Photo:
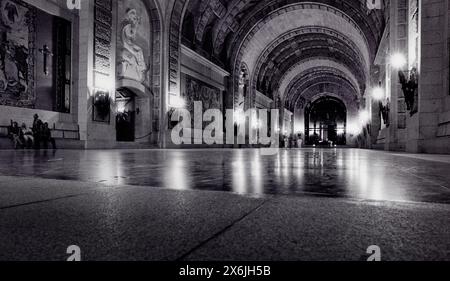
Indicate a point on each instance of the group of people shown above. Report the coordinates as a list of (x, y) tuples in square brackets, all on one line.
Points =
[(292, 141), (37, 137)]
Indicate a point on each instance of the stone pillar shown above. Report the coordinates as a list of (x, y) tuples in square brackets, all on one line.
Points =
[(375, 105), (434, 96), (85, 65), (396, 135), (171, 50), (101, 133)]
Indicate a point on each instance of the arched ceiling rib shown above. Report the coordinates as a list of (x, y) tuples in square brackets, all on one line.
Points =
[(330, 88), (273, 38), (294, 73), (351, 107), (229, 21), (313, 75), (320, 77), (311, 42), (279, 24)]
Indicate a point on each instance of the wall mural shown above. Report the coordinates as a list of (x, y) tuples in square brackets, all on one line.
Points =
[(17, 31), (133, 41), (195, 90)]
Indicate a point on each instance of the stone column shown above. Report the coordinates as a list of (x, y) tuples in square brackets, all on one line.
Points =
[(102, 133), (85, 63), (396, 135), (433, 92)]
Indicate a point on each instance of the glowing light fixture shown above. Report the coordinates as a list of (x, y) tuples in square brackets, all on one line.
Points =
[(364, 117), (353, 129), (239, 117), (398, 61), (177, 102), (104, 83), (120, 108), (378, 93)]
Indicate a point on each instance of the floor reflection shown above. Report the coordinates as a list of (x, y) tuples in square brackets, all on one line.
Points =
[(351, 173)]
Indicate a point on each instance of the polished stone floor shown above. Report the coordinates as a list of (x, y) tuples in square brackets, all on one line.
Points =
[(308, 204), (349, 173)]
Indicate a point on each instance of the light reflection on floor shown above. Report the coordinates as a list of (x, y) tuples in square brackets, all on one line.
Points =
[(351, 173)]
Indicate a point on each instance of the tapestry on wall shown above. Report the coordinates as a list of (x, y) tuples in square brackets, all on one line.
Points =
[(17, 34), (196, 90), (133, 56)]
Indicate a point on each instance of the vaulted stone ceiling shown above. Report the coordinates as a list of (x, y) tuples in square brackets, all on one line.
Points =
[(312, 42), (273, 37)]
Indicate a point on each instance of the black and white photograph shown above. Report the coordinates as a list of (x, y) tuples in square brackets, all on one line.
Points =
[(224, 139)]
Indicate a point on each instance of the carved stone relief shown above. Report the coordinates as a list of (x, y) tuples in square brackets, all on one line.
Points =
[(133, 41)]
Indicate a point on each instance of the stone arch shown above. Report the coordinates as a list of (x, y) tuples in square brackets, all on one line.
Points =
[(311, 76), (252, 46), (294, 41), (175, 25), (293, 73), (322, 89), (326, 122), (311, 94), (138, 88), (370, 24), (327, 87)]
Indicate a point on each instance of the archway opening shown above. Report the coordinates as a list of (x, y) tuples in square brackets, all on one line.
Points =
[(126, 115), (326, 122)]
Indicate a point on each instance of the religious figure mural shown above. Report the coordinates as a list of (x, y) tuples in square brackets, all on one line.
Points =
[(16, 54), (133, 41), (194, 90)]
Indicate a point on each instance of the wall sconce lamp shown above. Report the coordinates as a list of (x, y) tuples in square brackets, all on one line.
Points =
[(378, 93), (364, 117), (177, 102), (408, 79), (398, 61)]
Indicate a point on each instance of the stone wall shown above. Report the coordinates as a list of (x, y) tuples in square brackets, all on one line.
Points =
[(434, 103), (55, 8), (200, 80)]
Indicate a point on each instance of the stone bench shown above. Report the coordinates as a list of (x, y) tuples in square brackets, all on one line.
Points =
[(61, 132), (4, 131), (65, 131)]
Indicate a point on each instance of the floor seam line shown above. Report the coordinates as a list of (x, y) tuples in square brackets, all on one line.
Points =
[(222, 231), (43, 201), (425, 179)]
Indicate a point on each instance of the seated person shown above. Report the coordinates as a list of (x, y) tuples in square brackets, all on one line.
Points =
[(37, 127), (16, 135), (27, 134), (46, 137)]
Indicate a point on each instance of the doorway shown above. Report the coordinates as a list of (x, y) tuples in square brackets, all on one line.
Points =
[(126, 115), (326, 122)]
